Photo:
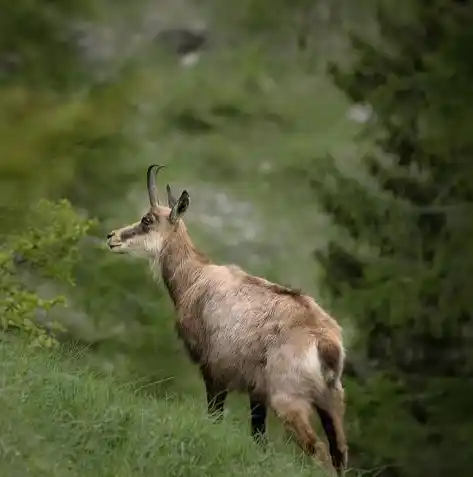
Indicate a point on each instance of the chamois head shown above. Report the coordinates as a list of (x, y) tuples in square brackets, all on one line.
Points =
[(147, 236)]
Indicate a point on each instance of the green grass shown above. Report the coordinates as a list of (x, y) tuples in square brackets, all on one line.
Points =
[(58, 418)]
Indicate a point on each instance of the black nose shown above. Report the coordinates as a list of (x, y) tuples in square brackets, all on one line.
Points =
[(110, 235)]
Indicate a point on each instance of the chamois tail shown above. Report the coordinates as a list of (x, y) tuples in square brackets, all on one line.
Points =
[(331, 360)]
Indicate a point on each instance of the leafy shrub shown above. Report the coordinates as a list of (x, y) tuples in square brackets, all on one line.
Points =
[(44, 247)]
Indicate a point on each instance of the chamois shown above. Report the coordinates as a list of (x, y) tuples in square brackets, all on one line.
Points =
[(246, 333)]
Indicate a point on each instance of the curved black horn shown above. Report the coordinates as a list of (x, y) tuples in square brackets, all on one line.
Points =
[(151, 184)]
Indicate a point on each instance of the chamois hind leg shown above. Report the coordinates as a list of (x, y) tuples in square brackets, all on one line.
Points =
[(258, 419), (331, 413), (296, 412), (216, 395)]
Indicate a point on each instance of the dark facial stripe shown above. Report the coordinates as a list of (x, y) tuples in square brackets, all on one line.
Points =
[(131, 232)]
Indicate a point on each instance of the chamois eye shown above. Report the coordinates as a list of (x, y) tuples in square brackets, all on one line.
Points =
[(147, 220)]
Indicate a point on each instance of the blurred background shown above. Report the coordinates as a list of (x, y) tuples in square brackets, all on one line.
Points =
[(326, 144)]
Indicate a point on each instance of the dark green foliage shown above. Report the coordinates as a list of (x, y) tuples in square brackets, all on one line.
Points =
[(37, 44), (404, 271)]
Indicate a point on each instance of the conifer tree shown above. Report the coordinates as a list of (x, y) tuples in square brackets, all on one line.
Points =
[(402, 264)]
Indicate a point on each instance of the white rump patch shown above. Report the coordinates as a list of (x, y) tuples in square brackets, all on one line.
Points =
[(312, 363), (312, 359)]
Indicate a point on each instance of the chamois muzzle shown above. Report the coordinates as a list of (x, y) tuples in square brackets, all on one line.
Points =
[(153, 170), (113, 240)]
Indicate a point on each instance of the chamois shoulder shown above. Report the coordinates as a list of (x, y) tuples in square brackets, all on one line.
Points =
[(261, 284), (275, 288)]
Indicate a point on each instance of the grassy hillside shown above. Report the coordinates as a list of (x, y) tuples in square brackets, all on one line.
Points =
[(59, 418)]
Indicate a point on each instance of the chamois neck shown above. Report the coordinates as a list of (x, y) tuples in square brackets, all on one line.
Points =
[(181, 263)]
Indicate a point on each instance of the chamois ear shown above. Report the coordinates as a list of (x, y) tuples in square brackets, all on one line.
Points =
[(171, 199), (180, 207)]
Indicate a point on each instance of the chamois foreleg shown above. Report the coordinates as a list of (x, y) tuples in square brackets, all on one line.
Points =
[(216, 395), (258, 419)]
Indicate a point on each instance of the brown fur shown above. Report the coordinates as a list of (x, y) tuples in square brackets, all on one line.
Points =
[(251, 335)]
